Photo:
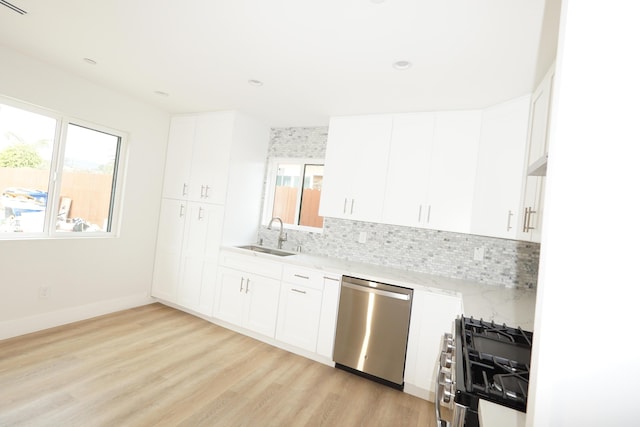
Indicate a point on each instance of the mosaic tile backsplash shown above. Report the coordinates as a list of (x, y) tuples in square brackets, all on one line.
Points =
[(506, 262)]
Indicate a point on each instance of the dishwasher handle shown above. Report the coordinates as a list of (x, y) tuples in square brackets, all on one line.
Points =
[(390, 294)]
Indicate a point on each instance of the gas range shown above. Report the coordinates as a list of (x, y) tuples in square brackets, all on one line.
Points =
[(485, 361)]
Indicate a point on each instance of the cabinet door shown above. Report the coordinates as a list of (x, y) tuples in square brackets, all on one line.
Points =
[(328, 316), (540, 111), (431, 316), (530, 221), (210, 158), (261, 305), (498, 186), (356, 167), (166, 274), (230, 292), (178, 163), (199, 256), (299, 316), (408, 172), (453, 170)]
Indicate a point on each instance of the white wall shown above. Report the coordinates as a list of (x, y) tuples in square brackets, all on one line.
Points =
[(87, 276), (585, 364)]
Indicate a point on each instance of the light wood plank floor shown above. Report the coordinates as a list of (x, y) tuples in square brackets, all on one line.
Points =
[(156, 366)]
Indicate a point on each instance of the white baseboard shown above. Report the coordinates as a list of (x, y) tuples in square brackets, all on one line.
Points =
[(25, 325), (419, 392)]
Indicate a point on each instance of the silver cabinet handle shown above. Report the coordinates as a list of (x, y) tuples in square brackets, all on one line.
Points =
[(200, 217), (429, 214), (184, 189), (344, 208), (331, 278), (298, 291), (529, 227), (527, 220), (246, 288), (509, 215), (241, 283), (181, 210), (352, 201), (202, 191), (301, 276), (420, 213), (206, 191)]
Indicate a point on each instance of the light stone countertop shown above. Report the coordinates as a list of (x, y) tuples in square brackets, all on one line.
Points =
[(512, 306)]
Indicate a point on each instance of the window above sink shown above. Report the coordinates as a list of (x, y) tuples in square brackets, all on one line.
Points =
[(293, 193)]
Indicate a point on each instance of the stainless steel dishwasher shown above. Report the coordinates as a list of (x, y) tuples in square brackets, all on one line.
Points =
[(372, 330)]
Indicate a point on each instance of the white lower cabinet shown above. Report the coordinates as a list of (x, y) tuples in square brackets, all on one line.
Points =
[(308, 309), (432, 315), (247, 298), (187, 251), (328, 315), (300, 306)]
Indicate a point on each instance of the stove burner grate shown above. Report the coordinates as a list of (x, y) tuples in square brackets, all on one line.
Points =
[(496, 362)]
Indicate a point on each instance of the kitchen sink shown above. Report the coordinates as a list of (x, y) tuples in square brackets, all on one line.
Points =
[(264, 250)]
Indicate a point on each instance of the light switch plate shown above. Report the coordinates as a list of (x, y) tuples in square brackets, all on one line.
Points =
[(363, 237), (478, 254)]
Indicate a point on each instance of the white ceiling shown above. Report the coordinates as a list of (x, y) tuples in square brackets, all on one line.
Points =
[(317, 58)]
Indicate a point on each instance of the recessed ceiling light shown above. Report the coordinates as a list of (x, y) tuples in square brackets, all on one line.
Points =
[(402, 65), (89, 61), (256, 83), (161, 93)]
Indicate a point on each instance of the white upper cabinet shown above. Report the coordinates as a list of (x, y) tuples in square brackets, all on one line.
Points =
[(355, 167), (431, 172), (458, 171), (453, 170), (498, 184), (530, 219), (405, 200), (179, 153), (198, 157), (210, 158), (405, 169)]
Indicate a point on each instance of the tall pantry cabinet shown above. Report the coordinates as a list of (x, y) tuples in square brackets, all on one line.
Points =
[(211, 197)]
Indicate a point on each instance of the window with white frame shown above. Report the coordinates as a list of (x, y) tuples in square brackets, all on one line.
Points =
[(58, 176), (293, 193)]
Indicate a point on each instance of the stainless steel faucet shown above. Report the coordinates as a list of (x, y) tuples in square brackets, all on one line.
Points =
[(282, 237)]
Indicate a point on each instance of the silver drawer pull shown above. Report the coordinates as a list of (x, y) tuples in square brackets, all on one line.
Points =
[(331, 278), (301, 276), (298, 291)]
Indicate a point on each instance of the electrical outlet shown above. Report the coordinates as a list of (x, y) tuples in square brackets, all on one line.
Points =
[(363, 237), (44, 292), (478, 254)]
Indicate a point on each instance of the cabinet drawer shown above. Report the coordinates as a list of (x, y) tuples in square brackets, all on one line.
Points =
[(303, 276), (251, 264)]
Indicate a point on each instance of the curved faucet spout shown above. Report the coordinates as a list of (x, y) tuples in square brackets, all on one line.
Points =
[(282, 237)]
